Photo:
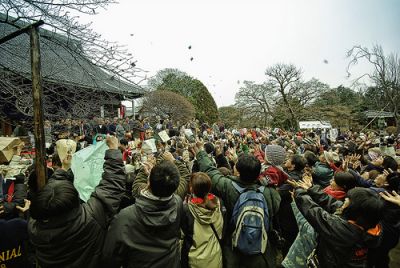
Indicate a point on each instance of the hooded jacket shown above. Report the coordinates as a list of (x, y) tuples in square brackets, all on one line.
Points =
[(201, 247), (76, 238), (340, 242), (306, 239), (222, 187), (145, 234), (322, 174), (272, 175)]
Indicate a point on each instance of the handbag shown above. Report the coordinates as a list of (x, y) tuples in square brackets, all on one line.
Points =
[(216, 234)]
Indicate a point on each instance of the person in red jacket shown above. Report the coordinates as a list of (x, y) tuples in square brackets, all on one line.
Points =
[(272, 173)]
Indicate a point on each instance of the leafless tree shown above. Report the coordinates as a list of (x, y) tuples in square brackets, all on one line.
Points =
[(62, 17), (385, 75), (256, 100), (165, 103), (308, 91), (285, 79)]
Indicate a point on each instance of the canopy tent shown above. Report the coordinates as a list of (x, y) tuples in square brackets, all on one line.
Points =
[(314, 124)]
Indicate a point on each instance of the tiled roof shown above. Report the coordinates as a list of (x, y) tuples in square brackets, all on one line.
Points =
[(62, 62)]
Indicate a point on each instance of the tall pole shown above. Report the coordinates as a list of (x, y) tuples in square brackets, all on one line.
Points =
[(37, 93), (133, 109)]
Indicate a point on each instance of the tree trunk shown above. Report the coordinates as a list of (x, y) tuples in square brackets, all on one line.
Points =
[(293, 119)]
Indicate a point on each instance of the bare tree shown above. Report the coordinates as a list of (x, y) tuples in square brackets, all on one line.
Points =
[(385, 76), (165, 103), (285, 79), (308, 91), (256, 100), (79, 38)]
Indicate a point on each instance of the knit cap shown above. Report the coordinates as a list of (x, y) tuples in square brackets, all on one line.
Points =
[(308, 141), (275, 155)]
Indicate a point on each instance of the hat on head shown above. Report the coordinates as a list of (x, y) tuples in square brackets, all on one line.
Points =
[(275, 155), (331, 157), (308, 141)]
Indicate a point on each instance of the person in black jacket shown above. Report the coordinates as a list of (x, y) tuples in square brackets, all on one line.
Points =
[(12, 194), (344, 239), (294, 167), (67, 233), (13, 240), (100, 128), (379, 257), (146, 234)]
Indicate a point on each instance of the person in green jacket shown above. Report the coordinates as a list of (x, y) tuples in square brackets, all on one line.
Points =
[(322, 173), (141, 180), (202, 225), (248, 169)]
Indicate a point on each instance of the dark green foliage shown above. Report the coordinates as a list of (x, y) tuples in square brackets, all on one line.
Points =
[(193, 90)]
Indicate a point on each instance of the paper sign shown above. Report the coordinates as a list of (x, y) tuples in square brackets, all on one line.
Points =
[(87, 166), (64, 147), (164, 136), (188, 133), (333, 134), (150, 145), (7, 146)]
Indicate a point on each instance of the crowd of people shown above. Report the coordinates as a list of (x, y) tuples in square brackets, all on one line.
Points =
[(207, 196)]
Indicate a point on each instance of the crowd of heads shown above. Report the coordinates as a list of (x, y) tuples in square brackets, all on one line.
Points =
[(351, 167)]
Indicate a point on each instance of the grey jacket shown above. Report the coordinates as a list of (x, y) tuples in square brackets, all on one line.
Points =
[(145, 234)]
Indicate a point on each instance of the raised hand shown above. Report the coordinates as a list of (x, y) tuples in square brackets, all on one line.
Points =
[(218, 149), (393, 198), (356, 164), (345, 164), (199, 146), (112, 142), (67, 161), (306, 182), (26, 207), (148, 165), (168, 156), (232, 155), (293, 183)]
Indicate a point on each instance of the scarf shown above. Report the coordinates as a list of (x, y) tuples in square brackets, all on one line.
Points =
[(337, 194), (199, 200)]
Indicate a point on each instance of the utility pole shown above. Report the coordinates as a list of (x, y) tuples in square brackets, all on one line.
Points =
[(37, 94), (133, 109)]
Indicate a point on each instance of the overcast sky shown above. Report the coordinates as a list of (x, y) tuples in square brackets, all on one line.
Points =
[(236, 40)]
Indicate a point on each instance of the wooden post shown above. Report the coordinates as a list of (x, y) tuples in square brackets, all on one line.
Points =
[(37, 93), (133, 109)]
